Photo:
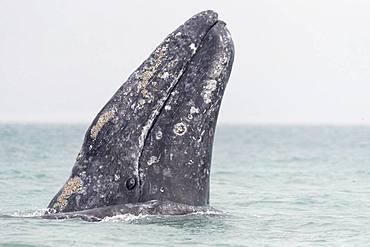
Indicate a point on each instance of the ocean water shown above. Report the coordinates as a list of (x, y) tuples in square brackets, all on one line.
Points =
[(276, 186)]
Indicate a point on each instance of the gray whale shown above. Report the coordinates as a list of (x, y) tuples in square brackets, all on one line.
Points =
[(149, 149)]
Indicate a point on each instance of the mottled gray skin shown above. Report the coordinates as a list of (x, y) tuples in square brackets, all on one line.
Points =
[(153, 139), (187, 124)]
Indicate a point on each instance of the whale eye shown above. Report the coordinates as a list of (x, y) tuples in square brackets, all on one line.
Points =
[(130, 183)]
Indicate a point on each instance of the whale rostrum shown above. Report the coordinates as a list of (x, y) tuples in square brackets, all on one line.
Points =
[(151, 144)]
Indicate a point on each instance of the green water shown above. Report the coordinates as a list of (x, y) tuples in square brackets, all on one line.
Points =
[(277, 186)]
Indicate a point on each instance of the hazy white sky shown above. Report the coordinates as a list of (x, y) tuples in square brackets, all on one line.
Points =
[(296, 61)]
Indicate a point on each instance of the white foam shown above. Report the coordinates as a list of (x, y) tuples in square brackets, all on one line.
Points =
[(125, 218), (29, 213)]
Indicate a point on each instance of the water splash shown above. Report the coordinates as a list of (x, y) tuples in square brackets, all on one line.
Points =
[(146, 218)]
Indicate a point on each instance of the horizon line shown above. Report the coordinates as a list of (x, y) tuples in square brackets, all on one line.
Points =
[(221, 123)]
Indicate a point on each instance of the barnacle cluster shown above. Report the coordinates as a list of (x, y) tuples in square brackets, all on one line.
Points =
[(103, 119), (73, 185)]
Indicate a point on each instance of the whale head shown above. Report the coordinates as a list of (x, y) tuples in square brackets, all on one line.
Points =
[(153, 139)]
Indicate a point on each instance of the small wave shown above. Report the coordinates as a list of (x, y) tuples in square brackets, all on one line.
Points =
[(131, 218), (209, 212), (31, 213)]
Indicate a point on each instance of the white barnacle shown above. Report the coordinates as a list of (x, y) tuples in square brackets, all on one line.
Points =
[(193, 47), (158, 135), (217, 70), (218, 65), (136, 75), (80, 155), (193, 110), (167, 107), (172, 63), (147, 95), (116, 177), (141, 174), (165, 75), (179, 129), (103, 119), (141, 103), (201, 136), (220, 37), (152, 160), (210, 86), (174, 92)]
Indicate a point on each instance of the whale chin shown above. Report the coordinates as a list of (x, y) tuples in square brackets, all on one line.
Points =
[(151, 144)]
